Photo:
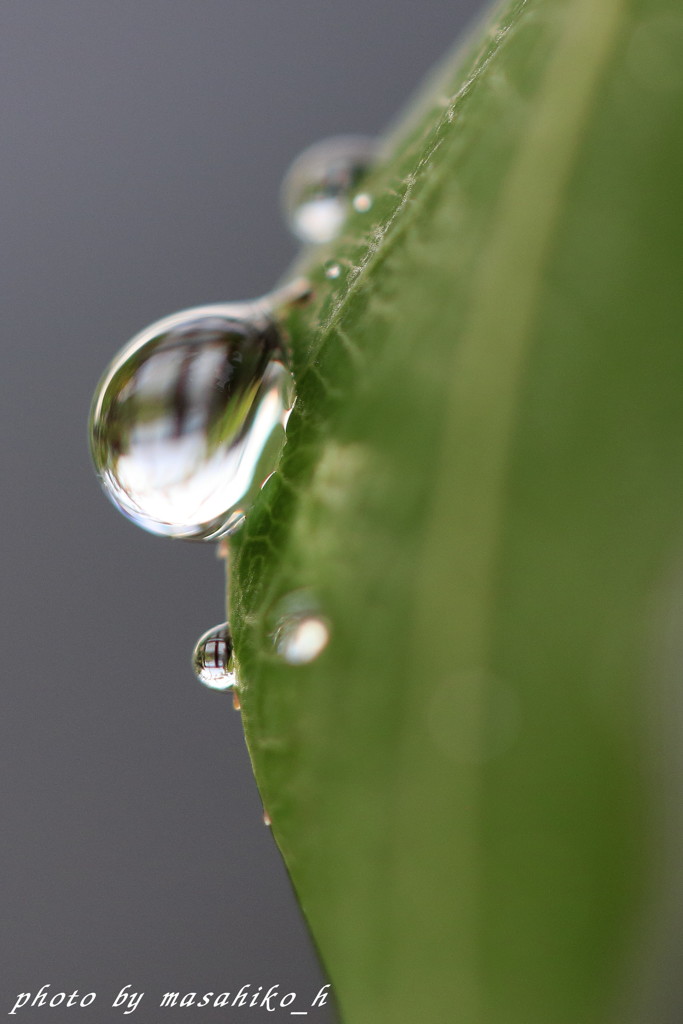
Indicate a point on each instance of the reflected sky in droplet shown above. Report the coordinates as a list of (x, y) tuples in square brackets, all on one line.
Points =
[(299, 633), (317, 190), (212, 659), (362, 202), (319, 220), (189, 419)]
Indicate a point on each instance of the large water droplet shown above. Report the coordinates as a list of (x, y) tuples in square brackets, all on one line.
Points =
[(300, 633), (188, 419), (212, 659), (317, 189)]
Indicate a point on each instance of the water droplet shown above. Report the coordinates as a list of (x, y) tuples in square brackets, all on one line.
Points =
[(318, 185), (301, 639), (188, 419), (236, 700), (300, 632), (266, 819), (362, 202), (212, 659), (333, 271)]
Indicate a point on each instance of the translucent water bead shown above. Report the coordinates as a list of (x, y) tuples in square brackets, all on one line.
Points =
[(301, 638), (317, 190), (187, 422), (212, 659), (299, 631)]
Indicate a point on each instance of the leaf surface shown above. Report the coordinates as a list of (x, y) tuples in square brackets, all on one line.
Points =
[(481, 493)]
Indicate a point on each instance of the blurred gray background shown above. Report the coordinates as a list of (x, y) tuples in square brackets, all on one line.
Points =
[(143, 143)]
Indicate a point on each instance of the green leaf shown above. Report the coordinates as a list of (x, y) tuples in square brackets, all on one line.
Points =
[(483, 488)]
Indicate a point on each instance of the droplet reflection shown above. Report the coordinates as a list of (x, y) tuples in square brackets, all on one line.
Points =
[(362, 202), (188, 419), (212, 659), (317, 188), (300, 632)]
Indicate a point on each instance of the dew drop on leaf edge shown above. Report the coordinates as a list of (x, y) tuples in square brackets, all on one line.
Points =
[(212, 659), (188, 420), (318, 188)]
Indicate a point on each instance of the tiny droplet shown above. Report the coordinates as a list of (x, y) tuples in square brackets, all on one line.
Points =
[(188, 420), (362, 202), (332, 271), (318, 186), (266, 818), (212, 659), (300, 633), (236, 700)]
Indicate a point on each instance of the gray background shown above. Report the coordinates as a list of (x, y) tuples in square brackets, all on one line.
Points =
[(142, 146)]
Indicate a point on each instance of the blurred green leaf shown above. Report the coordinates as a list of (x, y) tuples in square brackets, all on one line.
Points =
[(472, 785)]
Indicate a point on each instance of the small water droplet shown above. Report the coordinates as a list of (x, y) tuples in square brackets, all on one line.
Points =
[(333, 271), (188, 420), (362, 202), (212, 659), (266, 818), (302, 638), (236, 700), (300, 632), (318, 185)]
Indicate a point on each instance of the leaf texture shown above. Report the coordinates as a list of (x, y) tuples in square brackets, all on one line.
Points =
[(482, 487)]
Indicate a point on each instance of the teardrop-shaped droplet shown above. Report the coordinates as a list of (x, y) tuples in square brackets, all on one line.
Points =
[(188, 419), (317, 189), (212, 659), (300, 632)]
